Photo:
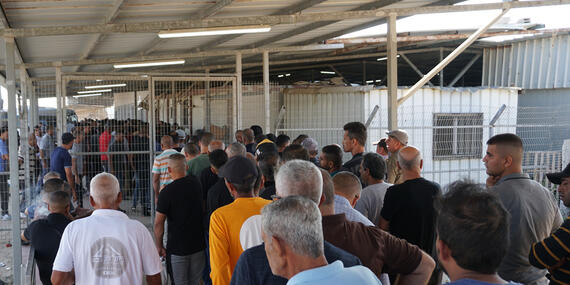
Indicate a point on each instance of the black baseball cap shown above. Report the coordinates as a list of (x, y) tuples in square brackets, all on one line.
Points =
[(67, 138), (557, 177), (239, 170)]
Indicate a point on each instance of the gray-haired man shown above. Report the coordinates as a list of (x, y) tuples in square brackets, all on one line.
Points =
[(293, 236)]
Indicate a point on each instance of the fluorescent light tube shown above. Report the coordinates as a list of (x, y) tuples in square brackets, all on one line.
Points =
[(385, 58), (328, 72), (214, 31), (151, 63), (94, 91), (87, 95), (106, 86), (369, 81), (280, 75)]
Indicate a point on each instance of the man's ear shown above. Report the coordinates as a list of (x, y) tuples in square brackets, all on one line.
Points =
[(421, 164), (322, 200), (279, 247), (508, 161), (91, 201), (231, 188), (444, 253)]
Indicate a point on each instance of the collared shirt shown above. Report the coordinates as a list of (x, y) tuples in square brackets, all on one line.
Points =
[(394, 175), (160, 166), (59, 161), (371, 201), (3, 151), (534, 216), (45, 236), (548, 253), (335, 273), (253, 267), (342, 206), (377, 249), (225, 226), (107, 248)]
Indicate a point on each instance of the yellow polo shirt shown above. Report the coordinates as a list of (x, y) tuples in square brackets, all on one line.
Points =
[(225, 226)]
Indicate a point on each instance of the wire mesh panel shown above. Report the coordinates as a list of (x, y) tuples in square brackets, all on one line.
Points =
[(254, 104), (190, 104), (109, 118)]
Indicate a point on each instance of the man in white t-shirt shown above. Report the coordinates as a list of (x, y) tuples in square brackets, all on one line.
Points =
[(107, 247), (372, 174)]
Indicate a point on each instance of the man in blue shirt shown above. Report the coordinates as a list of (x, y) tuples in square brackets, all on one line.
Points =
[(473, 234), (60, 161), (293, 236), (4, 189)]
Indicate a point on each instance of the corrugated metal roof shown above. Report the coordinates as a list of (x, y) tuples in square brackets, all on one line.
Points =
[(51, 13)]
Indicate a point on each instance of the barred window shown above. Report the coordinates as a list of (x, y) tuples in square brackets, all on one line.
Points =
[(457, 135)]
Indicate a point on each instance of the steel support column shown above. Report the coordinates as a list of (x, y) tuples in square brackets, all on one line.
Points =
[(239, 92), (266, 94), (10, 57), (58, 113), (392, 73), (25, 132)]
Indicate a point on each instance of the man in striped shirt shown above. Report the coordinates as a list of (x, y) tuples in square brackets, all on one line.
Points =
[(553, 253), (160, 175)]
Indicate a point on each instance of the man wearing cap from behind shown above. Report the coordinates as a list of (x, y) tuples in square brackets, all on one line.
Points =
[(60, 161), (240, 175), (552, 252), (397, 139)]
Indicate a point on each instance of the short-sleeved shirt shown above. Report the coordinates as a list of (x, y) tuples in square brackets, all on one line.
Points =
[(75, 153), (47, 144), (253, 267), (548, 253), (45, 235), (371, 201), (335, 273), (225, 227), (3, 151), (107, 248), (409, 209), (181, 202), (59, 161), (378, 250), (119, 160), (104, 141), (353, 165), (160, 166), (197, 164), (534, 216), (342, 206)]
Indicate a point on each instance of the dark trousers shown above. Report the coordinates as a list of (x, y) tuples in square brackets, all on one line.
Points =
[(4, 193)]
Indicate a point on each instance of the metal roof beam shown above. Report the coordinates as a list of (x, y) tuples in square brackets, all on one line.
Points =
[(293, 9), (148, 27), (314, 26), (95, 40), (6, 25)]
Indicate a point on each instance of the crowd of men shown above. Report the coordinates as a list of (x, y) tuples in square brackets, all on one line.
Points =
[(266, 209)]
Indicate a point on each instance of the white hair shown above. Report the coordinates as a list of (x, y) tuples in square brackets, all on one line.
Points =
[(104, 188), (51, 175), (297, 221), (235, 149), (299, 177)]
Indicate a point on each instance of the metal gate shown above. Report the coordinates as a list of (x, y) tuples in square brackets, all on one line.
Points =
[(118, 121)]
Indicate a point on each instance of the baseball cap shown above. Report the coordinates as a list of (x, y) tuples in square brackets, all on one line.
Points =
[(400, 135), (67, 138), (556, 177), (239, 170), (310, 144), (181, 134), (265, 146)]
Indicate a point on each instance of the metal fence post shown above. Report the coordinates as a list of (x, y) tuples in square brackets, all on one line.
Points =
[(25, 129), (13, 158), (495, 119)]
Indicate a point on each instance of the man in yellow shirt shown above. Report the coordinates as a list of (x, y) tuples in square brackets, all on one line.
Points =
[(240, 175)]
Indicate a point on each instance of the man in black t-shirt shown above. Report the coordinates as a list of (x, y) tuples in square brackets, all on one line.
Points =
[(408, 210), (180, 202), (353, 141), (45, 234)]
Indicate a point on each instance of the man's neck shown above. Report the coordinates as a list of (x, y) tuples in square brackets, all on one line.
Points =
[(372, 181), (327, 210), (304, 263), (410, 174), (245, 195), (514, 170), (176, 176), (356, 150), (333, 170)]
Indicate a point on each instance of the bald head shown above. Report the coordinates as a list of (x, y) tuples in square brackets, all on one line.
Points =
[(347, 185), (215, 145), (299, 177), (177, 164), (410, 158), (104, 189)]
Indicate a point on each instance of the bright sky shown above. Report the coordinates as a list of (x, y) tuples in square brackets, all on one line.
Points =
[(553, 17)]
